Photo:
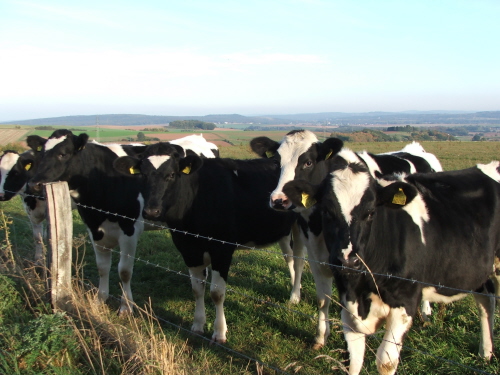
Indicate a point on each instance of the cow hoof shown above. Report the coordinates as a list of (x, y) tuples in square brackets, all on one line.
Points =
[(217, 341), (317, 346), (294, 300)]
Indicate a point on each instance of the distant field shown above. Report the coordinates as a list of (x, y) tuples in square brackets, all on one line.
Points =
[(453, 155), (11, 135)]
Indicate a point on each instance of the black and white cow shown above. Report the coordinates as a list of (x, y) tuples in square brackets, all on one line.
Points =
[(198, 145), (15, 171), (439, 229), (222, 199), (109, 202), (303, 157)]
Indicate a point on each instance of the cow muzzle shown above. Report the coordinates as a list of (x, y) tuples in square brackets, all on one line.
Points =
[(151, 212), (350, 266), (35, 186), (280, 202)]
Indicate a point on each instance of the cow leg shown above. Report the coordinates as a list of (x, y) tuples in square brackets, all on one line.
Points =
[(294, 257), (398, 322), (218, 294), (198, 281), (486, 308), (356, 342), (426, 310), (128, 246), (103, 262), (323, 278)]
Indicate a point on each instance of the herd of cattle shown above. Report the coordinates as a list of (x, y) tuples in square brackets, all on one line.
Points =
[(393, 230)]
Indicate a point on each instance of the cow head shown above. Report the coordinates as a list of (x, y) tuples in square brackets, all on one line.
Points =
[(349, 199), (302, 157), (56, 154), (161, 166), (15, 171)]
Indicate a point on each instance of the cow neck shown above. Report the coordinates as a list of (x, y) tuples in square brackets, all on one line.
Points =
[(91, 164)]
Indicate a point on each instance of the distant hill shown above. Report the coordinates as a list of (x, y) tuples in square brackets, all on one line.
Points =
[(334, 118)]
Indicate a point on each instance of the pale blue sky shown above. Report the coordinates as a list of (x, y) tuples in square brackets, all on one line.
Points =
[(194, 57)]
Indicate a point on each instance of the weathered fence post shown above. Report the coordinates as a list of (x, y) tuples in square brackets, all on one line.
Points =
[(60, 233)]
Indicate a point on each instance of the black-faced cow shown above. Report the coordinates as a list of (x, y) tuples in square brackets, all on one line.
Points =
[(303, 157), (222, 199), (437, 233), (15, 171), (109, 202)]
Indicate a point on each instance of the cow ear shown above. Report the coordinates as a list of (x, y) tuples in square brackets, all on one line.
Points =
[(128, 165), (81, 141), (301, 193), (264, 147), (35, 142), (329, 148), (190, 164), (396, 195), (27, 160), (180, 150)]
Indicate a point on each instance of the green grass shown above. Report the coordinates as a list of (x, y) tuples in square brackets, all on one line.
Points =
[(262, 325)]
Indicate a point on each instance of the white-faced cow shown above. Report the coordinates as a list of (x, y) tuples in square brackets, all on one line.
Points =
[(303, 157), (222, 199), (15, 171), (437, 233), (109, 202)]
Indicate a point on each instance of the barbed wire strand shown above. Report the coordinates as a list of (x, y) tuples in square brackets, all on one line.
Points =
[(162, 227), (244, 247), (242, 355)]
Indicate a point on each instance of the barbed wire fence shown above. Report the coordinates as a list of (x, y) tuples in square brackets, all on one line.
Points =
[(373, 337)]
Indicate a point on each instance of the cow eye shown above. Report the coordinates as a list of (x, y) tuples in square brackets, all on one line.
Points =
[(61, 156), (308, 164), (171, 176)]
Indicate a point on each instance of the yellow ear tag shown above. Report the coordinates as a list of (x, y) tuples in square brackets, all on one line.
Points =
[(329, 154), (307, 201), (133, 170), (399, 198), (39, 148), (27, 166), (187, 170), (269, 154)]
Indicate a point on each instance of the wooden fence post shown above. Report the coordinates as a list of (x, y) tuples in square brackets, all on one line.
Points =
[(60, 233)]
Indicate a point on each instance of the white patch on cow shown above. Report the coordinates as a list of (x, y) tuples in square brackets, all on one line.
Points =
[(346, 252), (158, 160), (430, 294), (349, 188), (235, 172), (292, 146), (52, 142), (7, 162), (412, 167), (417, 209), (378, 311), (115, 147), (196, 143), (490, 170), (418, 213), (370, 162)]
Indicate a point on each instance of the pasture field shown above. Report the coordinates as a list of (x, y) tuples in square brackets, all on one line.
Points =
[(262, 325)]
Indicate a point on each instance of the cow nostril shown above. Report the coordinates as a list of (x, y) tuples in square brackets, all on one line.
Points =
[(152, 212), (35, 186)]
